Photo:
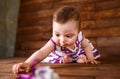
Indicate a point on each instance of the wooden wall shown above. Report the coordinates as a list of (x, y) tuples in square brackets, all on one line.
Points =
[(100, 24)]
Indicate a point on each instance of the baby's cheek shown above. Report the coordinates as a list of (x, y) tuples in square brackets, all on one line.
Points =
[(56, 40), (71, 42)]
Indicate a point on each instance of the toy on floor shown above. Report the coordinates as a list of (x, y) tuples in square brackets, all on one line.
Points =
[(42, 72)]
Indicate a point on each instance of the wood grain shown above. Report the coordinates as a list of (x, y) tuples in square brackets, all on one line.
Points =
[(100, 22)]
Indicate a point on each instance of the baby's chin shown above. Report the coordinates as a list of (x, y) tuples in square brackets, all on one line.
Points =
[(64, 46)]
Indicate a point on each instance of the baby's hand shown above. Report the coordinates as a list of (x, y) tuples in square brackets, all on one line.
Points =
[(82, 59), (92, 61), (66, 59), (21, 67)]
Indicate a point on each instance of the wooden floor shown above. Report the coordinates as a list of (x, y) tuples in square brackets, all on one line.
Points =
[(108, 69)]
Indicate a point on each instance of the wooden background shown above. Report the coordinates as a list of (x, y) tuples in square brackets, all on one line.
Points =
[(100, 24)]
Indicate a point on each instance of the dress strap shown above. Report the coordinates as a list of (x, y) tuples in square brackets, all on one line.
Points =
[(53, 43), (80, 36)]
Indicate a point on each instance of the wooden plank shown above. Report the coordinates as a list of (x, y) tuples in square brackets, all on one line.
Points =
[(31, 45), (9, 60), (99, 19), (87, 15), (26, 2), (34, 7), (34, 30), (86, 73), (80, 4), (67, 71), (86, 7), (106, 14), (96, 1), (36, 15), (93, 41), (90, 24), (109, 4), (106, 61), (24, 52), (6, 67), (107, 77), (77, 77), (109, 52), (72, 1), (7, 76), (35, 37), (109, 67), (70, 66), (108, 42), (35, 22), (104, 23), (102, 32)]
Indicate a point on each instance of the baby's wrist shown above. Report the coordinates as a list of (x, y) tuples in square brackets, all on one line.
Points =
[(90, 58)]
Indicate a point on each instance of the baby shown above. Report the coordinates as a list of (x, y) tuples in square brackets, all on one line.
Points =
[(67, 44)]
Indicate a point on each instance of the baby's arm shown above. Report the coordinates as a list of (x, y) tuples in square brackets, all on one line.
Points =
[(37, 56), (41, 53), (88, 51)]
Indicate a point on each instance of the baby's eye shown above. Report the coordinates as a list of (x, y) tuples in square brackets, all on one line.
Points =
[(69, 36), (57, 35)]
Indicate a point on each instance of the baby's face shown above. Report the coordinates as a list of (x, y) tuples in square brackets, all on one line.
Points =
[(65, 34)]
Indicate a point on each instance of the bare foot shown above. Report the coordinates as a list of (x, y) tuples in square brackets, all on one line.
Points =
[(67, 59)]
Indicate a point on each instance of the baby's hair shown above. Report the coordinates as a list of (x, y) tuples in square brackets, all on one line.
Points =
[(66, 13)]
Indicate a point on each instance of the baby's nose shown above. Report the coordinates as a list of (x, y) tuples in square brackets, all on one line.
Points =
[(62, 39)]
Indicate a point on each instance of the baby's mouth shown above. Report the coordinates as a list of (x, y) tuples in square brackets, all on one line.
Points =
[(63, 45)]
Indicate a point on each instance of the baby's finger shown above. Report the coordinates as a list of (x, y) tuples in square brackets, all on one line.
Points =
[(94, 62), (64, 58), (97, 62), (14, 69), (28, 69), (87, 61), (20, 67)]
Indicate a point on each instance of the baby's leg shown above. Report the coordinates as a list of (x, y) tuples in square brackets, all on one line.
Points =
[(66, 59), (81, 59)]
